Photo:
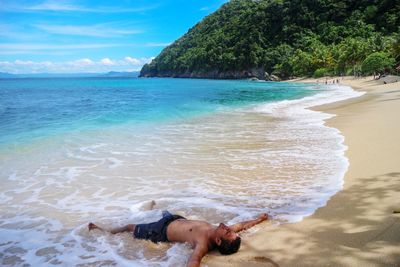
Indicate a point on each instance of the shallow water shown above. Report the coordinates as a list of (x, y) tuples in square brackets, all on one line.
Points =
[(80, 150)]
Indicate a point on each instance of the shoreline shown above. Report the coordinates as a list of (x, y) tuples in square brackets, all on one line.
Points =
[(357, 226)]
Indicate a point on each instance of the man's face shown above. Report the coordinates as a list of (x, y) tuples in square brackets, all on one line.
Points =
[(224, 232)]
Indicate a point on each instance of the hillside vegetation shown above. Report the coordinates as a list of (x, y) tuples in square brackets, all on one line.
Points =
[(246, 38)]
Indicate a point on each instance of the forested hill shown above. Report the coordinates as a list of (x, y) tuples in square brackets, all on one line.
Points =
[(246, 38)]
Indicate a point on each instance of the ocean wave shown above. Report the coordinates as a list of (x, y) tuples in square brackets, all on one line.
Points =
[(231, 165)]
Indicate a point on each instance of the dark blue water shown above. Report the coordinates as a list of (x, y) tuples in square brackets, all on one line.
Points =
[(33, 108)]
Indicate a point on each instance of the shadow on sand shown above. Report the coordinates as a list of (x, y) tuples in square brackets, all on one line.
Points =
[(358, 229)]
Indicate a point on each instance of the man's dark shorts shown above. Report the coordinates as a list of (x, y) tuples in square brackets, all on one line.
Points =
[(156, 231)]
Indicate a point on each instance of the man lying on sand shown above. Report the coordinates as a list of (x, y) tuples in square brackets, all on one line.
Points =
[(201, 235)]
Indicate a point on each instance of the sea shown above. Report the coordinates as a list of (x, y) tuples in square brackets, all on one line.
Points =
[(80, 150)]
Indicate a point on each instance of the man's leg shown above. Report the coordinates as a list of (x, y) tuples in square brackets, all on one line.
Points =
[(126, 228)]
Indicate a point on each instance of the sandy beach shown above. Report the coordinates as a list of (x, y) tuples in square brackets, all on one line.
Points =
[(358, 226)]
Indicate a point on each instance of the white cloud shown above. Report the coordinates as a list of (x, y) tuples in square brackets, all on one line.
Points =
[(19, 66), (138, 61), (80, 65), (98, 30), (157, 44), (5, 64), (133, 61), (21, 62), (32, 63), (107, 62), (66, 6), (28, 47), (55, 6), (46, 49), (82, 62)]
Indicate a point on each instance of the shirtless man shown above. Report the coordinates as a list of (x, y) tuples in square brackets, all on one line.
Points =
[(201, 235)]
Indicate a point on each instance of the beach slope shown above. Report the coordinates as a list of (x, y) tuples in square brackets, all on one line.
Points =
[(358, 226)]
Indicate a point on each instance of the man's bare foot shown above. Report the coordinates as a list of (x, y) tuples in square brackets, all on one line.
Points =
[(148, 205), (263, 217), (92, 226)]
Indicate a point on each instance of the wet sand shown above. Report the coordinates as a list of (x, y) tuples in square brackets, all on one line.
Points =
[(358, 226)]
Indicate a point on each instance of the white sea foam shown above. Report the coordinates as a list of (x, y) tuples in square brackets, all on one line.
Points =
[(278, 158), (302, 123)]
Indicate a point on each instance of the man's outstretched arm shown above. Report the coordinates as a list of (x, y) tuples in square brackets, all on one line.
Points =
[(248, 224), (198, 253)]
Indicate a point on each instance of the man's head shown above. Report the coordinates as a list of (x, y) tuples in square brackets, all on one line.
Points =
[(226, 240)]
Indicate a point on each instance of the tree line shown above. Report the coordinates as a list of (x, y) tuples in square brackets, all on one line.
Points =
[(289, 38)]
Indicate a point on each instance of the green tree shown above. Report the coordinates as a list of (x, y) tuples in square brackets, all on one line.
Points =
[(302, 63), (333, 35), (320, 72), (352, 52), (395, 48), (377, 62), (281, 62)]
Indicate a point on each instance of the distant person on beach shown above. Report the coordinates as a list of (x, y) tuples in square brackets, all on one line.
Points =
[(201, 235)]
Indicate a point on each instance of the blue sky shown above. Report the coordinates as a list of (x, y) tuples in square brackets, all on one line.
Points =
[(70, 36)]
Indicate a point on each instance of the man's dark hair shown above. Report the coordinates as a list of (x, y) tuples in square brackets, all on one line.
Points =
[(229, 247)]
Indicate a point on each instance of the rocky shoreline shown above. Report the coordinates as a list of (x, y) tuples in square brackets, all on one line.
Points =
[(256, 74)]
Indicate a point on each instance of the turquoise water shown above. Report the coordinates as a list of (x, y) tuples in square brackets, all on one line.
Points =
[(80, 150), (36, 108)]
